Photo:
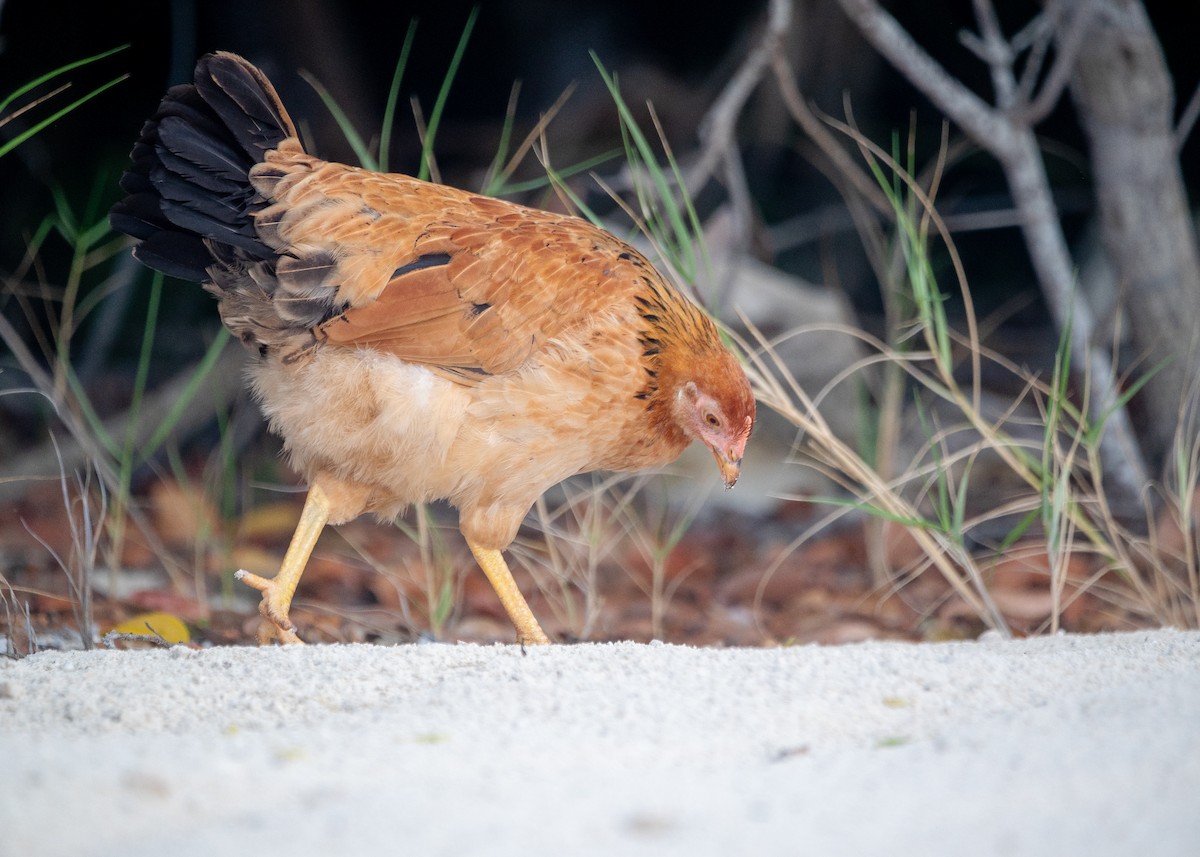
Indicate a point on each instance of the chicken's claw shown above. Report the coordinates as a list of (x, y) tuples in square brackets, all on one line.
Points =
[(274, 608), (278, 591)]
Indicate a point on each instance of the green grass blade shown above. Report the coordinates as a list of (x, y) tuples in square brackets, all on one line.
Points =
[(1093, 434), (357, 144), (389, 111), (64, 219), (960, 503), (439, 105), (1022, 527), (95, 233), (95, 424), (1059, 381), (561, 186), (695, 234), (670, 207), (189, 392), (143, 368), (943, 498), (49, 120), (492, 179), (876, 512), (71, 66), (545, 181)]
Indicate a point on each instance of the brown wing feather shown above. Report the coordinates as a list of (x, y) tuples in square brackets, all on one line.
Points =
[(416, 317), (432, 274)]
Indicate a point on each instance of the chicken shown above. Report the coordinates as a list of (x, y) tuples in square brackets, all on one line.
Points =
[(413, 342)]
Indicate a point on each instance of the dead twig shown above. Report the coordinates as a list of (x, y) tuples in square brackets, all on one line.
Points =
[(820, 134), (154, 638)]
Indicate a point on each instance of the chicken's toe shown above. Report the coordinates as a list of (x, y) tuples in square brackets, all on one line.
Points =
[(274, 608)]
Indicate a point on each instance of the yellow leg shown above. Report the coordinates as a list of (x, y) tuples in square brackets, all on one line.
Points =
[(277, 592), (529, 632)]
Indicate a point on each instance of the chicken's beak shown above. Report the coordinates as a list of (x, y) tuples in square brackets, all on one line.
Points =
[(730, 467)]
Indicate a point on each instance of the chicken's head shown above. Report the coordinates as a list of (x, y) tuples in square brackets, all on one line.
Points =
[(716, 407)]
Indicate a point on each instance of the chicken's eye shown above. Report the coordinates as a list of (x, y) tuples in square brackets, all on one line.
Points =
[(712, 420)]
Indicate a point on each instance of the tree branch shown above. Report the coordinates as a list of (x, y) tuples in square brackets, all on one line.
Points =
[(720, 122), (963, 106), (1187, 119), (997, 53), (1035, 37), (1067, 45)]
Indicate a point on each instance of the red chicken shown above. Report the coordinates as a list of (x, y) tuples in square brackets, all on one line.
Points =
[(414, 342)]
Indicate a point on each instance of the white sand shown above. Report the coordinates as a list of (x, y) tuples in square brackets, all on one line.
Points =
[(1063, 746)]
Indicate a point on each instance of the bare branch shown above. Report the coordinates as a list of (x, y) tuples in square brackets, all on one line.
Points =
[(1187, 119), (1039, 30), (974, 44), (1036, 37), (738, 188), (961, 105), (995, 51), (719, 123), (1068, 42)]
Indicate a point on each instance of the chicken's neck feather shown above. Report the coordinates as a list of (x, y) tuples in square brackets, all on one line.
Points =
[(679, 343)]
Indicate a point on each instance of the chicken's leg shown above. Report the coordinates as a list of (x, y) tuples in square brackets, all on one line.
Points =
[(529, 632), (277, 592)]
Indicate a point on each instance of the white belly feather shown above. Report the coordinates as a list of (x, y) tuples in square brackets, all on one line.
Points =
[(417, 436)]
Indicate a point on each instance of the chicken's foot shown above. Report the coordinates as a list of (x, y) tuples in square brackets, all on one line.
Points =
[(277, 591), (529, 632)]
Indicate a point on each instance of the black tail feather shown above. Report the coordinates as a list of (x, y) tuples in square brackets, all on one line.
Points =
[(176, 255), (245, 101), (189, 180), (189, 152)]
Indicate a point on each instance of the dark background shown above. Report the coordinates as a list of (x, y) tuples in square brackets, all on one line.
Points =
[(678, 54)]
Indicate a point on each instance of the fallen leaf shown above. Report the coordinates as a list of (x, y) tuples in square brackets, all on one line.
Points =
[(170, 627)]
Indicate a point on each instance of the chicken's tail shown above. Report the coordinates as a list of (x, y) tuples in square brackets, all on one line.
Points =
[(190, 196)]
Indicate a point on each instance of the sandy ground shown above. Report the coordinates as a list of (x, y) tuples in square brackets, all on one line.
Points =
[(1059, 746)]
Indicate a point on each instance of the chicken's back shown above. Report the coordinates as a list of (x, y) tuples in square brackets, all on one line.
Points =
[(301, 252)]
